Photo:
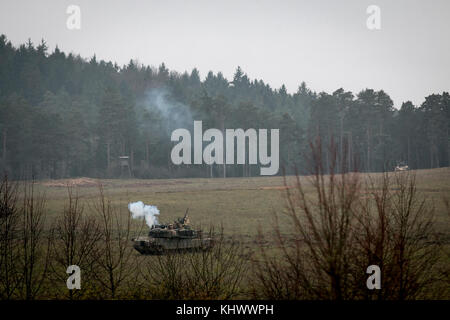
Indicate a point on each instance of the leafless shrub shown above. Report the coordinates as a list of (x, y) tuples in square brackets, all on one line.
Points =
[(315, 263), (199, 274), (344, 226), (113, 256), (397, 234), (74, 239), (33, 246), (9, 219)]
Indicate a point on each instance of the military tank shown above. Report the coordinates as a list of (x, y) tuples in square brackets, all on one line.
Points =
[(174, 237)]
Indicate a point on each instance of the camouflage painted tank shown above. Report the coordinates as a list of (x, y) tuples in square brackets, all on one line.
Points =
[(176, 237)]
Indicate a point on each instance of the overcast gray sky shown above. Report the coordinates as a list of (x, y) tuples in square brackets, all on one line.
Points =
[(323, 42)]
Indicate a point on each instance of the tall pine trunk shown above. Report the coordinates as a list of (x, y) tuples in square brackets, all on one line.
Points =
[(4, 146), (108, 155), (368, 149)]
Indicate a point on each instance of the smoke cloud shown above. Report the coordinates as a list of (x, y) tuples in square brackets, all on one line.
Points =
[(139, 210), (175, 113)]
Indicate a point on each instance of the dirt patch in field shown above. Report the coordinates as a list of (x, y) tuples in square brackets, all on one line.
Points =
[(79, 182), (152, 183), (277, 188)]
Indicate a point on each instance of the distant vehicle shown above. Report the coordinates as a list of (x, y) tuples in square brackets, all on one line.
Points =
[(402, 167), (176, 237)]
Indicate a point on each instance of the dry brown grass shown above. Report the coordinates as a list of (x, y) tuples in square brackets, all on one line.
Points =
[(240, 205)]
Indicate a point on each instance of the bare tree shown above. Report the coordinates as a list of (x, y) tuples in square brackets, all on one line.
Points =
[(218, 272), (315, 262), (345, 225), (199, 274), (75, 237), (396, 232), (33, 250), (9, 219), (113, 255)]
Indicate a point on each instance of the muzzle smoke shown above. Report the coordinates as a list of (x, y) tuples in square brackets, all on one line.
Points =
[(139, 210)]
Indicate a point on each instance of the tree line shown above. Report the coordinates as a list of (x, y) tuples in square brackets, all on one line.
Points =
[(64, 116)]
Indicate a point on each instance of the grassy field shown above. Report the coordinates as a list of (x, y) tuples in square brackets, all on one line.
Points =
[(240, 205)]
